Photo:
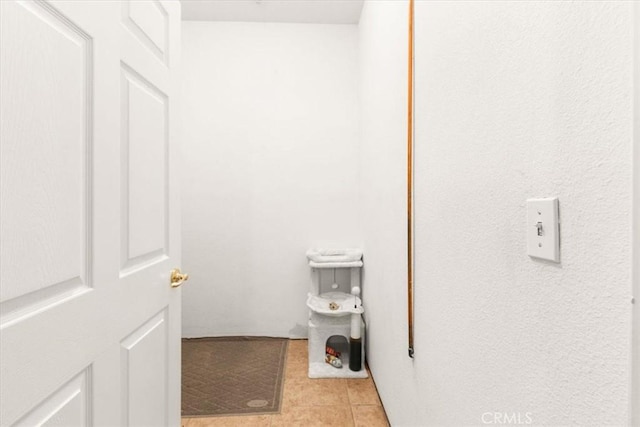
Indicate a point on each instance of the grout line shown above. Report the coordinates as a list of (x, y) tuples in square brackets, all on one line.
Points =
[(353, 416)]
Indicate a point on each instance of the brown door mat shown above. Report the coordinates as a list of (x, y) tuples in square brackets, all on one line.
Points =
[(232, 375)]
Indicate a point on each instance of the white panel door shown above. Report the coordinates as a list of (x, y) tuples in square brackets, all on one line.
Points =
[(89, 213)]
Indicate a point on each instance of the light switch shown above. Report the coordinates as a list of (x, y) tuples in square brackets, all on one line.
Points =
[(543, 230)]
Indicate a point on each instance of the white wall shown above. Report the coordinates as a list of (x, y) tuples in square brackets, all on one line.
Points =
[(271, 146), (513, 100), (635, 399), (383, 124)]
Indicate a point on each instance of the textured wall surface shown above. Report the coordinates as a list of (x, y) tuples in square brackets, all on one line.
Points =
[(383, 124), (635, 407), (271, 142), (514, 100)]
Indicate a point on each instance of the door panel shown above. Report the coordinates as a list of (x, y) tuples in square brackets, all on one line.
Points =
[(144, 166), (144, 372), (68, 406), (89, 213), (149, 21), (45, 237)]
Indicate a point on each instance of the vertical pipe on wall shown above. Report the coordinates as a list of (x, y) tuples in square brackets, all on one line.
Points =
[(410, 183)]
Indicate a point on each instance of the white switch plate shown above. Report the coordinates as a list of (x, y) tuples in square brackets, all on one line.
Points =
[(543, 231)]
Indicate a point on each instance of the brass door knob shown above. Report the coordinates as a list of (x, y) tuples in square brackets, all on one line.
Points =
[(177, 278)]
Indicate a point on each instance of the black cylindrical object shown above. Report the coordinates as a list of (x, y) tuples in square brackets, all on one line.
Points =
[(355, 354)]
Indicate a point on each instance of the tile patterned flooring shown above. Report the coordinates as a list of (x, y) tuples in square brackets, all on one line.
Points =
[(312, 403)]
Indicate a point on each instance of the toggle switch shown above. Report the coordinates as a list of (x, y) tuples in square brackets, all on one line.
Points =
[(543, 229)]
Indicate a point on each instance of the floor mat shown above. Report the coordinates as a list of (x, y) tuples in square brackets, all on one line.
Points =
[(232, 375)]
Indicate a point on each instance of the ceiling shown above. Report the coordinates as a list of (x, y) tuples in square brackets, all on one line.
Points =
[(298, 11)]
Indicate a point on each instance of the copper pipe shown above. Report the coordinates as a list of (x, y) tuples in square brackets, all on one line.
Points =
[(410, 184)]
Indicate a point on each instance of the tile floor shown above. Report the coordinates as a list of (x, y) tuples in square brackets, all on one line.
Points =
[(311, 403)]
